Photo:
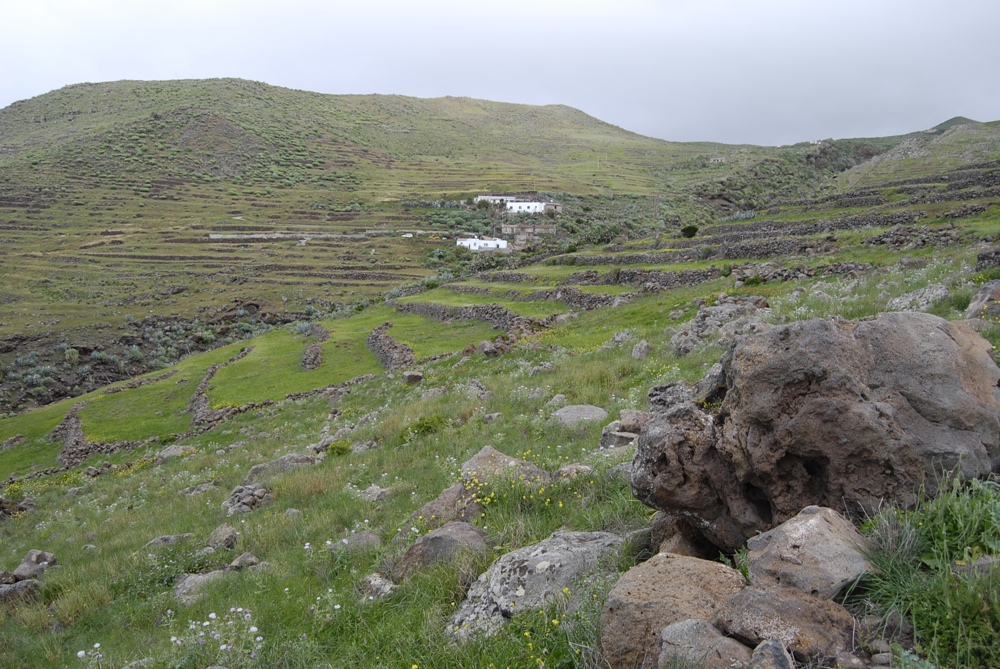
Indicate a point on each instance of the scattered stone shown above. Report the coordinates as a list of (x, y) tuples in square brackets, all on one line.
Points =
[(357, 542), (375, 586), (882, 659), (771, 654), (919, 300), (364, 446), (612, 436), (283, 464), (243, 561), (442, 545), (167, 540), (985, 303), (413, 376), (641, 350), (199, 489), (292, 513), (557, 400), (663, 590), (738, 315), (573, 470), (490, 463), (576, 414), (439, 391), (22, 590), (188, 587), (491, 417), (812, 628), (541, 369), (224, 536), (456, 502), (174, 451), (7, 577), (696, 642), (631, 420), (374, 493), (817, 551), (533, 577)]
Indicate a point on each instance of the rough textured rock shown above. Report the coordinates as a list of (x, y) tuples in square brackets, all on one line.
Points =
[(817, 551), (374, 493), (613, 436), (456, 502), (440, 545), (199, 489), (810, 627), (740, 315), (27, 589), (575, 414), (413, 376), (489, 463), (631, 420), (534, 577), (986, 302), (175, 451), (696, 642), (771, 654), (244, 561), (167, 540), (663, 590), (223, 537), (642, 350), (828, 412), (919, 300), (188, 587), (283, 464), (573, 470), (375, 586), (356, 542)]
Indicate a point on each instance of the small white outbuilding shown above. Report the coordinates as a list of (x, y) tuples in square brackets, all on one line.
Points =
[(484, 244)]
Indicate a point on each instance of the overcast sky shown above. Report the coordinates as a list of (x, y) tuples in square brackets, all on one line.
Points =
[(735, 71)]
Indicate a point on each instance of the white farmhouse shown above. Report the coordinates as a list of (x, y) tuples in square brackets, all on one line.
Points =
[(523, 207), (484, 244), (495, 199)]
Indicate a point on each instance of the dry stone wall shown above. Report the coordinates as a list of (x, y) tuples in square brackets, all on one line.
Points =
[(390, 353), (494, 314)]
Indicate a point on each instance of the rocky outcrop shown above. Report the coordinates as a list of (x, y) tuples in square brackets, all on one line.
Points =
[(919, 300), (828, 412), (534, 577), (245, 499), (577, 414), (312, 357), (392, 354), (694, 641), (907, 238), (728, 318)]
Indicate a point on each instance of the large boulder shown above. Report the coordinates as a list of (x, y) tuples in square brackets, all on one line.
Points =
[(817, 551), (843, 414), (663, 590), (535, 577)]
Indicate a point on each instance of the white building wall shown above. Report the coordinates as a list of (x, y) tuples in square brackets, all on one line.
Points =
[(526, 207), (489, 244)]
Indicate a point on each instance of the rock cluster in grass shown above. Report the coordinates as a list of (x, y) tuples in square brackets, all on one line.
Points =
[(23, 583), (246, 498), (728, 318), (390, 353)]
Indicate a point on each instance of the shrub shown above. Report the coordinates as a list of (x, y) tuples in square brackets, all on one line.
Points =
[(689, 231)]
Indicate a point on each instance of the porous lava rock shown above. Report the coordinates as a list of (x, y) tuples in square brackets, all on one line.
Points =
[(835, 413)]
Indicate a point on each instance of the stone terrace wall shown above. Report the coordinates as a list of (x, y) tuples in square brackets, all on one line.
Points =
[(389, 352), (494, 314)]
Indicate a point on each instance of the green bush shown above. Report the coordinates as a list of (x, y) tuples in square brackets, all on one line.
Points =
[(689, 231)]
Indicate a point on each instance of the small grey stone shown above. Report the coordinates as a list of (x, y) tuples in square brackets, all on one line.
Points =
[(882, 659), (243, 561), (167, 540), (490, 417), (292, 513), (224, 536)]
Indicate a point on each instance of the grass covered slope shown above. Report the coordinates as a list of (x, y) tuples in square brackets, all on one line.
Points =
[(306, 605)]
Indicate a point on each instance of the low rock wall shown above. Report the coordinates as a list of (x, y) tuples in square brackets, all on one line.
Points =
[(390, 353)]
